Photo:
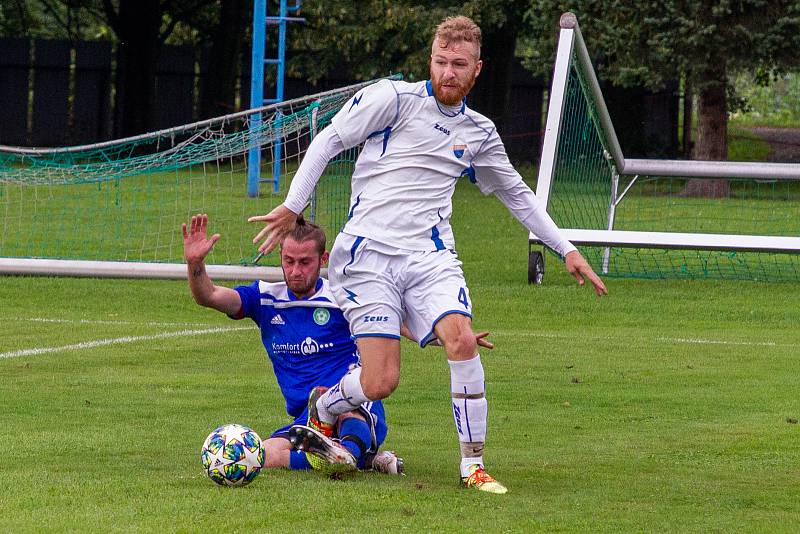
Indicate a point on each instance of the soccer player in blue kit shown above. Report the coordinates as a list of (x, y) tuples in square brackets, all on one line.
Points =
[(395, 262), (308, 341)]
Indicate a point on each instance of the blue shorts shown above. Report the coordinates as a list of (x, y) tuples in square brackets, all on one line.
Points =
[(373, 413)]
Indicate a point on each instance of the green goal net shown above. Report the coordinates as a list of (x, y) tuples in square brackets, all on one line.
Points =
[(125, 200), (638, 218)]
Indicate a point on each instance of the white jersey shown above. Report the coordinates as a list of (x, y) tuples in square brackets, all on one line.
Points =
[(415, 150)]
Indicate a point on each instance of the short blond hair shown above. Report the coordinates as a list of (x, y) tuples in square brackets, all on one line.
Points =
[(457, 30)]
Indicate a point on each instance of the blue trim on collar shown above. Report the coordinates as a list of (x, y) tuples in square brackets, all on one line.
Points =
[(292, 296), (429, 89)]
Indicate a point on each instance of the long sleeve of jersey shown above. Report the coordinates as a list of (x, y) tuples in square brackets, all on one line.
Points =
[(325, 146), (523, 204), (495, 174)]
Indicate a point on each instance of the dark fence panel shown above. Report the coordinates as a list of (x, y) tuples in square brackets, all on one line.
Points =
[(50, 93), (92, 102), (522, 130), (175, 79), (646, 122), (14, 71)]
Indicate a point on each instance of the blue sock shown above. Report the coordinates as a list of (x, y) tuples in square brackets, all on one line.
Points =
[(298, 460), (356, 437)]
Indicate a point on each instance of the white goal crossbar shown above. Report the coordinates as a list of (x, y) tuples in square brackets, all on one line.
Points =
[(571, 40), (679, 240)]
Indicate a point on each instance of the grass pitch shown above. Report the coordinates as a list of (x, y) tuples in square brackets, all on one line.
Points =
[(668, 406)]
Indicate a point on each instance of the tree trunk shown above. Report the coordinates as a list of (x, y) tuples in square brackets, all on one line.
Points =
[(219, 92), (493, 89), (138, 28), (688, 119), (712, 132)]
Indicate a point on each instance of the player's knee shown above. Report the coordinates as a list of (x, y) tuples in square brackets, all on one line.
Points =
[(274, 454), (461, 345), (380, 387)]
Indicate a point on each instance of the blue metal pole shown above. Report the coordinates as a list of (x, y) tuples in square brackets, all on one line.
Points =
[(276, 163), (256, 94)]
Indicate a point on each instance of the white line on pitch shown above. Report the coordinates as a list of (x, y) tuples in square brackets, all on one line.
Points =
[(695, 341), (92, 321), (118, 341)]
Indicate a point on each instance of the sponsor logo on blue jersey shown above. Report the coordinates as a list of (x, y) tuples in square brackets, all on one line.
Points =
[(307, 347), (442, 129)]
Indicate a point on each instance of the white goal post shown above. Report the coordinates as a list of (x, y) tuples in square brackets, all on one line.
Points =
[(572, 54)]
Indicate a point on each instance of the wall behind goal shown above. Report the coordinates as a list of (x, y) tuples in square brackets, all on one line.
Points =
[(57, 93)]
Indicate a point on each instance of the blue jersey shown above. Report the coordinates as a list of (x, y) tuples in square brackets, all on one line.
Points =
[(308, 340)]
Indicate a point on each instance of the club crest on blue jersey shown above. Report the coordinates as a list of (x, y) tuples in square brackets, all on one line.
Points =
[(321, 316)]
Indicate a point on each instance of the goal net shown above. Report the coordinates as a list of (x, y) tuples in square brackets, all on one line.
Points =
[(116, 208), (633, 218)]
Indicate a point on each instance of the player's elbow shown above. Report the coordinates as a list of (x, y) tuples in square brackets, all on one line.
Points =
[(208, 300), (201, 298)]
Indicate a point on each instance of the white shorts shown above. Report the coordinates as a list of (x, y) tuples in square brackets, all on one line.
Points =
[(378, 287)]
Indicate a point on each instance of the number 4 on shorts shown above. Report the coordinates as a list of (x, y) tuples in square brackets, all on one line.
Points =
[(462, 298)]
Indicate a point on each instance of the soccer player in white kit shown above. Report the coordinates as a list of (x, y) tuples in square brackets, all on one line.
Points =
[(395, 261)]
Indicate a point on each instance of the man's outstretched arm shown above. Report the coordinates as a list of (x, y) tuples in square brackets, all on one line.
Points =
[(196, 246), (524, 205), (281, 220)]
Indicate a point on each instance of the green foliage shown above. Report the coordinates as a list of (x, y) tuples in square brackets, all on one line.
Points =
[(53, 19), (775, 102), (373, 38), (646, 43)]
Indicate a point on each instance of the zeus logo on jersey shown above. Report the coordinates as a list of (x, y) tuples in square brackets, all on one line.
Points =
[(441, 129), (376, 318)]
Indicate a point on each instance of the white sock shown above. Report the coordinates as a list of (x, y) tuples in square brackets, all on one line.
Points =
[(344, 397), (466, 463), (470, 409)]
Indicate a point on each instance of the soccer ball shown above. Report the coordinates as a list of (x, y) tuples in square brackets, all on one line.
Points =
[(232, 455)]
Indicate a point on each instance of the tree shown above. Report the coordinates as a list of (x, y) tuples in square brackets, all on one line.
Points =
[(137, 24), (372, 38), (224, 25), (704, 41), (142, 26)]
